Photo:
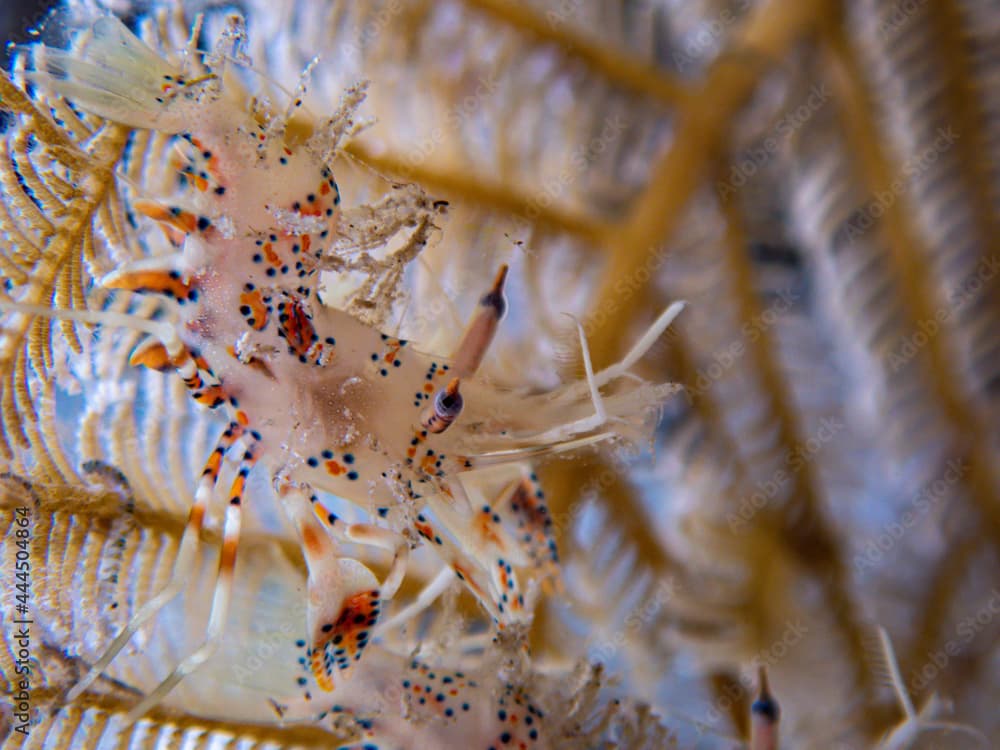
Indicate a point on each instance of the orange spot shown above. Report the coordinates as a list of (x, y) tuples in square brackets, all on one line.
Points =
[(487, 530), (411, 451), (258, 310), (469, 580), (311, 540), (428, 388), (334, 468), (272, 257), (239, 484), (242, 418), (324, 189), (424, 529), (321, 514), (324, 680), (306, 242)]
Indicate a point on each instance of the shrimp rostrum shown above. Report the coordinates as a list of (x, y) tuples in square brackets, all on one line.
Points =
[(313, 396)]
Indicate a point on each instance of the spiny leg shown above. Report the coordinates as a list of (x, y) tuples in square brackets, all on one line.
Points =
[(163, 350), (223, 588), (183, 563)]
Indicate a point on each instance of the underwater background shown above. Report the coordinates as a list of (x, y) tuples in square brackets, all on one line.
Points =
[(819, 182)]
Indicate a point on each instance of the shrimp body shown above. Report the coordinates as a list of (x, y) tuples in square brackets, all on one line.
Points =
[(318, 399)]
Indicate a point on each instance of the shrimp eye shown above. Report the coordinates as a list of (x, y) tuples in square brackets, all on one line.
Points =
[(448, 403), (446, 407)]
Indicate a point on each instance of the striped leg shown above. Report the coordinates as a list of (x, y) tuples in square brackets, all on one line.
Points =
[(183, 563), (223, 586)]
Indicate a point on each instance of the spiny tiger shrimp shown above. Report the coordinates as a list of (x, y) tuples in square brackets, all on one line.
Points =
[(318, 399)]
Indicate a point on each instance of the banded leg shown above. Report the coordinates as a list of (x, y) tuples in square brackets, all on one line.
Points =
[(223, 586), (183, 563), (197, 376)]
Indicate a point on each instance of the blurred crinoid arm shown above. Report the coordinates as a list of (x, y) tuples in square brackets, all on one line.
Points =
[(60, 204)]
